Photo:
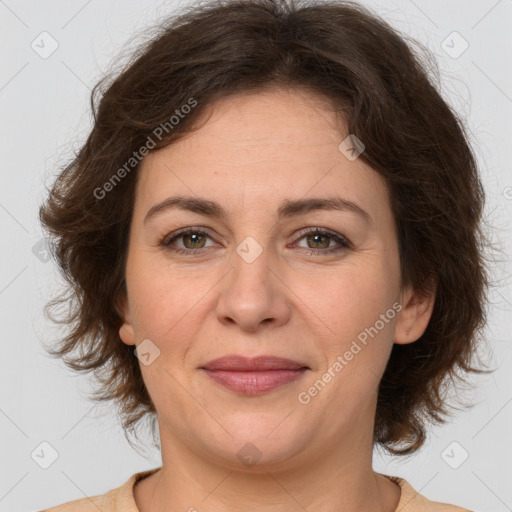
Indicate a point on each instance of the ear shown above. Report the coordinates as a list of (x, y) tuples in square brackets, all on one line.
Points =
[(126, 332), (414, 316)]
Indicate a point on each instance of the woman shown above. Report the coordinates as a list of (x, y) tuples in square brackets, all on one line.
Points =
[(277, 213)]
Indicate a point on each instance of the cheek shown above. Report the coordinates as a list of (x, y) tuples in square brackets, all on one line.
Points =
[(350, 299), (165, 302), (356, 337)]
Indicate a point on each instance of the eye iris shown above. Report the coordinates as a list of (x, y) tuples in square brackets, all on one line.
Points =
[(316, 237), (194, 237)]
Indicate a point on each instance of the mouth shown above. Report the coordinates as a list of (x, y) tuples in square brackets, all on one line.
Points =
[(254, 376)]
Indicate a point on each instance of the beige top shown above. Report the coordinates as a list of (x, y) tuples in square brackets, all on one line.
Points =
[(121, 499)]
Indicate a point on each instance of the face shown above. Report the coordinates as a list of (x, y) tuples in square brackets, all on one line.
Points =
[(261, 270)]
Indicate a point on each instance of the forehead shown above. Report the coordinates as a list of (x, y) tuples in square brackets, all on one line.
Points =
[(266, 146), (278, 118)]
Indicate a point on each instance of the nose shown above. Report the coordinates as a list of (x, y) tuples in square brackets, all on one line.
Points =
[(253, 295)]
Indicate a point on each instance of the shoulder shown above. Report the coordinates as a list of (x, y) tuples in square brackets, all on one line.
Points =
[(116, 500), (412, 501), (94, 503)]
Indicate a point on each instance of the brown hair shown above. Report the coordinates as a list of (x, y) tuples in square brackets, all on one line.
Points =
[(412, 137)]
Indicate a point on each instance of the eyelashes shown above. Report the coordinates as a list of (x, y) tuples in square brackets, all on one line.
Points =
[(196, 235), (169, 240)]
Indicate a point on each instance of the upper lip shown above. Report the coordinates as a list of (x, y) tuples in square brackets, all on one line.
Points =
[(247, 364)]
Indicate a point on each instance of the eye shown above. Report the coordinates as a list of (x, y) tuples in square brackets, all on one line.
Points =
[(321, 241), (191, 240)]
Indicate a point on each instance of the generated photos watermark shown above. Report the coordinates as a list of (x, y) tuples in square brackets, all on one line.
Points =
[(158, 133), (304, 397)]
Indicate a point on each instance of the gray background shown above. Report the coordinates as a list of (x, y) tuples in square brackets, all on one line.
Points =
[(44, 108)]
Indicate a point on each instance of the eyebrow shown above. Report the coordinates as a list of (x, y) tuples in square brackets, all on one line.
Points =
[(287, 209)]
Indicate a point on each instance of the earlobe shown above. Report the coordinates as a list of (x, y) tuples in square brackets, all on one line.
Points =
[(126, 332), (414, 317)]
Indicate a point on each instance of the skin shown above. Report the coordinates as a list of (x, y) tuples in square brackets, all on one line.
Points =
[(255, 151)]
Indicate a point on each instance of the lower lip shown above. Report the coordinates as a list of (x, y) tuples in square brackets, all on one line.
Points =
[(254, 383)]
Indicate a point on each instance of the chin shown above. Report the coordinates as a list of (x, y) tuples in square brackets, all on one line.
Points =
[(258, 442)]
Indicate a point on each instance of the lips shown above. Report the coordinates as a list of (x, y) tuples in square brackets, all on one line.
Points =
[(246, 364), (253, 376)]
